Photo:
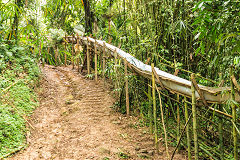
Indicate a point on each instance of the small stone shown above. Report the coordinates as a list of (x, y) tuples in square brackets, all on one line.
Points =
[(116, 122), (137, 148), (143, 156), (143, 151), (104, 151), (151, 152), (63, 111)]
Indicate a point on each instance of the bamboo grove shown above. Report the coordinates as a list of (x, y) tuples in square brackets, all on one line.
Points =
[(196, 40), (193, 135)]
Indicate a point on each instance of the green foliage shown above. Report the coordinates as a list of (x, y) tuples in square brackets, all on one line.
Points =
[(123, 155), (63, 14), (217, 34), (19, 75)]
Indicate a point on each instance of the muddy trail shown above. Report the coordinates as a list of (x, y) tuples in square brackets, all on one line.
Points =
[(75, 121)]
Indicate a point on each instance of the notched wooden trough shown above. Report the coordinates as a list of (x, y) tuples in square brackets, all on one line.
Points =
[(170, 82)]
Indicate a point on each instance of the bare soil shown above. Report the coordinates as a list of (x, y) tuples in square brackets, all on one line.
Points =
[(75, 120)]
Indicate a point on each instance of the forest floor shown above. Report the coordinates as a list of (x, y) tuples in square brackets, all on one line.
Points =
[(75, 120)]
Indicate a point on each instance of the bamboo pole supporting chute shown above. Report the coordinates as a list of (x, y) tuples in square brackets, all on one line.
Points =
[(187, 130), (72, 53), (154, 109), (95, 58), (104, 62), (220, 127), (194, 112), (126, 87), (150, 109), (163, 123), (40, 48), (234, 117), (178, 142), (115, 66), (88, 56), (48, 51), (78, 52), (178, 121), (65, 55), (59, 57), (235, 83), (55, 55)]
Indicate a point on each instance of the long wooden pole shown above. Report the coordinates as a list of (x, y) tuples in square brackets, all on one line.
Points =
[(56, 56), (48, 55), (194, 112), (88, 57), (104, 62), (164, 127), (220, 128), (234, 117), (150, 114), (178, 143), (65, 55), (178, 121), (95, 58), (40, 49), (154, 108), (115, 68), (78, 52), (72, 53), (187, 130), (126, 87), (59, 57)]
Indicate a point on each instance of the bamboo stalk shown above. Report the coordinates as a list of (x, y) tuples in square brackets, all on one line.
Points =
[(95, 51), (158, 79), (234, 125), (12, 152), (65, 55), (234, 117), (59, 57), (164, 128), (194, 82), (40, 48), (178, 121), (126, 87), (187, 130), (78, 51), (72, 53), (150, 115), (154, 109), (104, 62), (186, 124), (194, 112), (115, 67), (4, 90), (235, 83), (48, 54), (56, 56), (220, 113), (220, 129), (88, 57)]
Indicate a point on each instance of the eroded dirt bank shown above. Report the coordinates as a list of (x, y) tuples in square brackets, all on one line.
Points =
[(75, 121)]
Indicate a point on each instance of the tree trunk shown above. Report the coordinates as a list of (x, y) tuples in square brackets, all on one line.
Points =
[(14, 31), (88, 29)]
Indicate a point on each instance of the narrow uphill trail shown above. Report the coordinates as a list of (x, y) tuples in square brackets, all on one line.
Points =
[(75, 121)]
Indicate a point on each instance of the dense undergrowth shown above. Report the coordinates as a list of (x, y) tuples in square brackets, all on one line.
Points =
[(177, 36), (19, 75)]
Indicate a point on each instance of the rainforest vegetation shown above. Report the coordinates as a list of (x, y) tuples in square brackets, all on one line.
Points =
[(179, 36)]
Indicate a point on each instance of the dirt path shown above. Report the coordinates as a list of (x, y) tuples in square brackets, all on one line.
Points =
[(75, 121)]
